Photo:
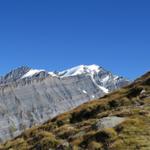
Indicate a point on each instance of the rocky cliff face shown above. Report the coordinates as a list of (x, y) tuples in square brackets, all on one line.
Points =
[(29, 96)]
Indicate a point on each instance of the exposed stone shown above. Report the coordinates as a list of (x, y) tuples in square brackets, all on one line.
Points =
[(109, 122)]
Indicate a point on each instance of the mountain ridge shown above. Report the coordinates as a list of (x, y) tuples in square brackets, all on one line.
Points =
[(80, 69), (24, 72)]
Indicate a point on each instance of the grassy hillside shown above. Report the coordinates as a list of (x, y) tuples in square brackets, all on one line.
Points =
[(118, 121)]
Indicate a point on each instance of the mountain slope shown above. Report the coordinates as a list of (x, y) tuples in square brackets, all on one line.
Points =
[(117, 121), (30, 96)]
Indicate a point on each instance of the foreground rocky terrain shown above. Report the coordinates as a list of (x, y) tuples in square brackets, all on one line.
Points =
[(117, 121), (30, 96)]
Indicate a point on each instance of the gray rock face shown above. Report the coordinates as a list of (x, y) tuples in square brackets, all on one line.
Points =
[(14, 75), (29, 97), (109, 122)]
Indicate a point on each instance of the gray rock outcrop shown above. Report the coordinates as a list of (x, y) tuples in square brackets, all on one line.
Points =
[(109, 122)]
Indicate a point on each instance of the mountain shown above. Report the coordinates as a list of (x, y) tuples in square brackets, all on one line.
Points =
[(31, 96), (117, 121)]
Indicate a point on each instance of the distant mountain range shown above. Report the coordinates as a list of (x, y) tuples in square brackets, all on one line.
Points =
[(30, 96)]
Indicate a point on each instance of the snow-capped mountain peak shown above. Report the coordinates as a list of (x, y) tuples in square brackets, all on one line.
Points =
[(81, 69)]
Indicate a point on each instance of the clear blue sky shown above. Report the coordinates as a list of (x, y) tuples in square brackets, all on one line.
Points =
[(58, 34)]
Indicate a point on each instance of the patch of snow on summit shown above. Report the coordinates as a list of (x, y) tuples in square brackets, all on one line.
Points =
[(52, 74), (116, 77), (82, 69), (31, 72)]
